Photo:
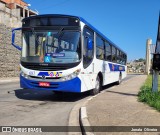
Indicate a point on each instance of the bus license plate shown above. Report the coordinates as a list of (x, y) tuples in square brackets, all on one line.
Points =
[(44, 84)]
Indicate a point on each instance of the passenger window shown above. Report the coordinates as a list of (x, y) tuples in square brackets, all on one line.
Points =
[(108, 52), (114, 57), (99, 48), (118, 57), (123, 58)]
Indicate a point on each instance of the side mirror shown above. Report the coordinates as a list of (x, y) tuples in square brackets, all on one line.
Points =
[(89, 44), (13, 39)]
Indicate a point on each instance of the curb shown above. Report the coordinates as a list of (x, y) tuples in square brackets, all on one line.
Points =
[(74, 118), (82, 118), (8, 80), (84, 122)]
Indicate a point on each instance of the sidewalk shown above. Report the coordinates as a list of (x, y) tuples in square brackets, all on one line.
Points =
[(118, 106), (9, 80)]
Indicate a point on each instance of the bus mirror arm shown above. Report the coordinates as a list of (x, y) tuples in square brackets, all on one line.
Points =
[(13, 39)]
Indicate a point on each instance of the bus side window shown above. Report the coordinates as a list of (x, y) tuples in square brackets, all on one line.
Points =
[(118, 57), (99, 48), (87, 53), (108, 52), (125, 59), (114, 56)]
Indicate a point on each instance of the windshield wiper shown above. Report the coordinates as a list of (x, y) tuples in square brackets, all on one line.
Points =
[(60, 31)]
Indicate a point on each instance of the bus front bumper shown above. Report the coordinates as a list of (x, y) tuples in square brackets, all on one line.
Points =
[(73, 85)]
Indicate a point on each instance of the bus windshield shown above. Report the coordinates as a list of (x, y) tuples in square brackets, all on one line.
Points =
[(42, 46)]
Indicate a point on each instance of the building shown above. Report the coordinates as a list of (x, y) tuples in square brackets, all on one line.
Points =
[(136, 67), (11, 14), (13, 11)]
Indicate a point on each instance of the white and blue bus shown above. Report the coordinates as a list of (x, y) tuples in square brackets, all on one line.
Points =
[(64, 53)]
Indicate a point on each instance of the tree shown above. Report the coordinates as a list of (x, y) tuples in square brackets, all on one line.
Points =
[(141, 60)]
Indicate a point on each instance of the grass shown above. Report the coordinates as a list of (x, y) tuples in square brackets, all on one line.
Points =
[(147, 96)]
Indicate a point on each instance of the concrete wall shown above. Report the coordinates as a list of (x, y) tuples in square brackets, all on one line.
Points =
[(9, 56), (12, 2), (10, 18)]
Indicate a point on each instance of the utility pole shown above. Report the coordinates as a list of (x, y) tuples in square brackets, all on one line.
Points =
[(148, 56), (156, 62)]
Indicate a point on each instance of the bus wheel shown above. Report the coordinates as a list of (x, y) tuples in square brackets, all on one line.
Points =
[(120, 79), (97, 88)]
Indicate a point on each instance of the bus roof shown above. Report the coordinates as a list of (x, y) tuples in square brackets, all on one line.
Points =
[(101, 34), (82, 20)]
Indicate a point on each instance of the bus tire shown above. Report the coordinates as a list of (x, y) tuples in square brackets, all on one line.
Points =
[(97, 88), (120, 79)]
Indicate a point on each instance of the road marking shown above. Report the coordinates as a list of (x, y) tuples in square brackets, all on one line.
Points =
[(102, 92), (83, 112), (90, 98), (112, 87), (94, 96)]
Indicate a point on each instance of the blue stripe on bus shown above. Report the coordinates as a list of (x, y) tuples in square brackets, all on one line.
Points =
[(115, 67), (73, 85)]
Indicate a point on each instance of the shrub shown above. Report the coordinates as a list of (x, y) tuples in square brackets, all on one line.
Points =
[(147, 96)]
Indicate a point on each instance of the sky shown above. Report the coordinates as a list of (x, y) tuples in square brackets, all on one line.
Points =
[(127, 23)]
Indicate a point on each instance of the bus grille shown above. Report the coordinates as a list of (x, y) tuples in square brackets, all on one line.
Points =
[(48, 68), (47, 78)]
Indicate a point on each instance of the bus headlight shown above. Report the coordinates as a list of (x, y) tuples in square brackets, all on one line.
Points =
[(72, 76), (24, 75)]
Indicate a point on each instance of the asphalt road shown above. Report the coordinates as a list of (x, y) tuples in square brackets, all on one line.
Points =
[(20, 107)]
